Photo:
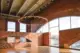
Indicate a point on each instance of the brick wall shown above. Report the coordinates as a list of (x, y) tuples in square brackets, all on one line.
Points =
[(69, 36)]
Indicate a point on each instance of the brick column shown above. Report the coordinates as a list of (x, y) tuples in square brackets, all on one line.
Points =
[(28, 28)]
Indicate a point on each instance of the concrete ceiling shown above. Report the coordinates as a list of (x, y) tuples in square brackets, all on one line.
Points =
[(18, 8)]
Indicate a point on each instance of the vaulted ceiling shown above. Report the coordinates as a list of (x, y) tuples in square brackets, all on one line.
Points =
[(18, 8)]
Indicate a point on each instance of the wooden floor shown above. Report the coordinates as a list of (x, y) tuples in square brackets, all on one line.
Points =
[(41, 49)]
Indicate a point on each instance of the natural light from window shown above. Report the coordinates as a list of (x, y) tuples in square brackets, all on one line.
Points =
[(22, 27), (75, 45), (64, 23), (11, 26)]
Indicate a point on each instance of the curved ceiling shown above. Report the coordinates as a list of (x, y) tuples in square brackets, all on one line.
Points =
[(17, 8), (61, 8)]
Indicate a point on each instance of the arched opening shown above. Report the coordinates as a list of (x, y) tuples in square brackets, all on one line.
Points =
[(75, 45)]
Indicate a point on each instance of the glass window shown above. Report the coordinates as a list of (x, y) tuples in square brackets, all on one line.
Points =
[(22, 39), (54, 32), (11, 39), (39, 30), (54, 42), (53, 23), (22, 27), (11, 26), (75, 45), (45, 28), (75, 21), (64, 23)]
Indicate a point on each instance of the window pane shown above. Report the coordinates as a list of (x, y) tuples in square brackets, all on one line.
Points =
[(54, 32), (22, 27), (39, 30), (45, 28), (11, 39), (22, 30), (75, 22), (76, 45), (53, 23), (11, 26), (22, 39), (64, 23), (54, 42)]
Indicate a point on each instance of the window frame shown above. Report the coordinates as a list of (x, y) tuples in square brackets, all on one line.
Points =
[(8, 28), (23, 29)]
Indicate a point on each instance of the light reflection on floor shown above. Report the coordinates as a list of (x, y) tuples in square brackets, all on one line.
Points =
[(75, 51), (13, 51), (57, 50), (52, 50)]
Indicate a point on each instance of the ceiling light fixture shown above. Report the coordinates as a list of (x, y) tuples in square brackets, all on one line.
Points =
[(33, 20)]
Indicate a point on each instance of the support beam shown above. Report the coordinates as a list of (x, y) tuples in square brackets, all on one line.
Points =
[(27, 5), (35, 6), (42, 6), (5, 6), (9, 16), (10, 4), (16, 5)]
